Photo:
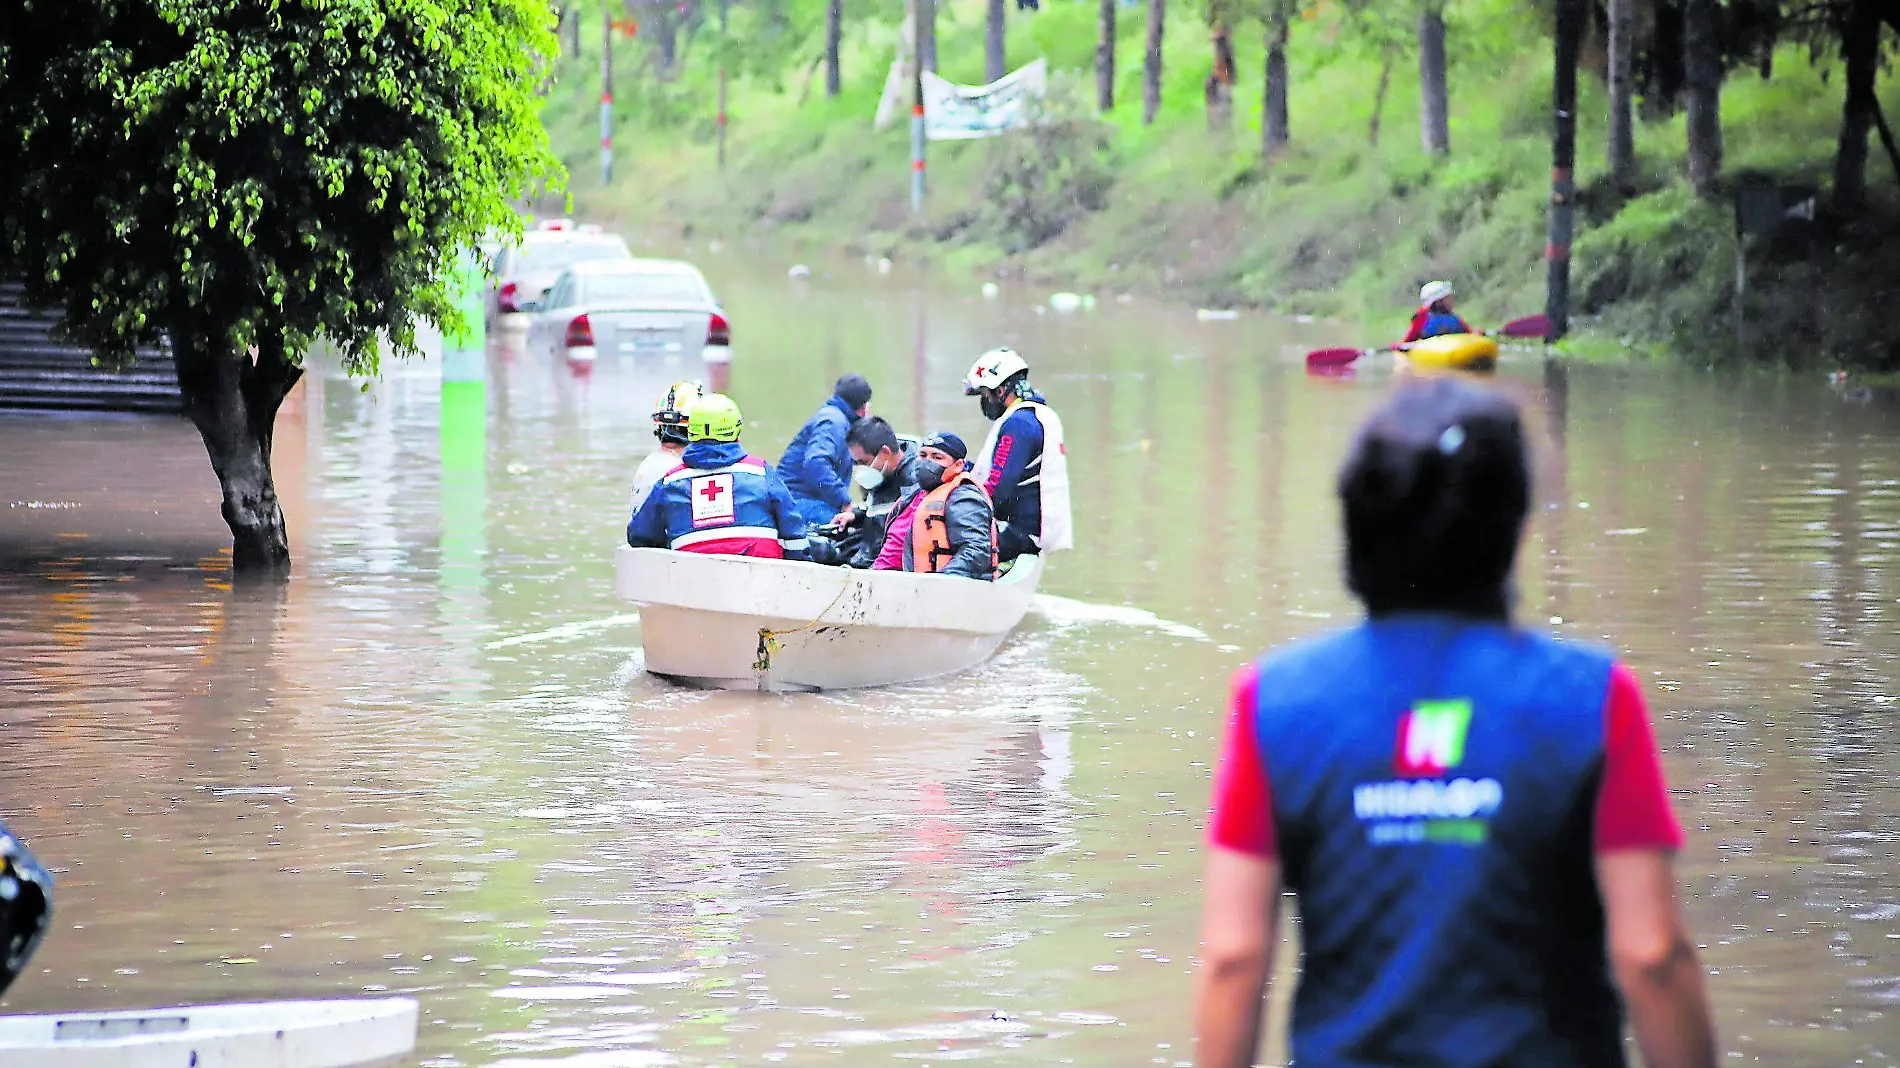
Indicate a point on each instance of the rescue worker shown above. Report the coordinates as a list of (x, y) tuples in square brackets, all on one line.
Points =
[(885, 471), (1024, 466), (719, 500), (1434, 316), (669, 425), (945, 525), (816, 466), (26, 906), (1480, 839)]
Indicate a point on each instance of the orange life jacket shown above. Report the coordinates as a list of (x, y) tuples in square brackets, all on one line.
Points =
[(930, 529)]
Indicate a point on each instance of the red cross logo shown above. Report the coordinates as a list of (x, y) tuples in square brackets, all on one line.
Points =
[(711, 491)]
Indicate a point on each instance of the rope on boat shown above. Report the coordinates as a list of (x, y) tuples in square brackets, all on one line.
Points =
[(768, 638)]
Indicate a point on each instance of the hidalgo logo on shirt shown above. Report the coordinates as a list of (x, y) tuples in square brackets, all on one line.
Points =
[(1421, 806), (712, 500), (1432, 738)]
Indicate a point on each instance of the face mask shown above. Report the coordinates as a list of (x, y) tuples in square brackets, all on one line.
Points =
[(929, 474), (993, 406), (868, 478)]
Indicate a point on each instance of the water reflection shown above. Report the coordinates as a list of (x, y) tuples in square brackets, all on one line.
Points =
[(433, 764)]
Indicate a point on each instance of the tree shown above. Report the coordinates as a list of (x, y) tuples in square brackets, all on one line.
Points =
[(1151, 64), (1571, 15), (834, 35), (1622, 146), (1219, 88), (1273, 116), (1702, 70), (994, 56), (1105, 57), (246, 178), (1434, 100), (1859, 31)]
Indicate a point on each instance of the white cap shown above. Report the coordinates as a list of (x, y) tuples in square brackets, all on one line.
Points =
[(1433, 292), (992, 369)]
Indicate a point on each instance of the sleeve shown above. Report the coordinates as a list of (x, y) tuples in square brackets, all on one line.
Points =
[(969, 517), (1242, 814), (818, 465), (647, 528), (791, 525), (1020, 439), (1418, 326), (1464, 327), (890, 556), (1633, 810)]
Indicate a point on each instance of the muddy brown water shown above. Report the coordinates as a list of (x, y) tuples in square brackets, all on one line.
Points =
[(433, 766)]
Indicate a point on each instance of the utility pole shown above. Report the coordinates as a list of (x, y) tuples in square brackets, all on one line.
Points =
[(916, 113), (1563, 161), (722, 83), (606, 91)]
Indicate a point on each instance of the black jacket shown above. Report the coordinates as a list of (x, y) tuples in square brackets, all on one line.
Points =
[(880, 505), (970, 518)]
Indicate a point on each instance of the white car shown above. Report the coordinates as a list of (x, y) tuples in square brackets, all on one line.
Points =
[(524, 272), (632, 308)]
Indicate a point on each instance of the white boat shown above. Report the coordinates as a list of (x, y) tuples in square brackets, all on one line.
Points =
[(737, 622), (265, 1034)]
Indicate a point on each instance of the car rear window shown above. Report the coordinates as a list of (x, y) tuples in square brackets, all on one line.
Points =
[(555, 255), (655, 288)]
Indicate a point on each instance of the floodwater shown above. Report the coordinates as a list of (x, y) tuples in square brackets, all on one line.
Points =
[(433, 765)]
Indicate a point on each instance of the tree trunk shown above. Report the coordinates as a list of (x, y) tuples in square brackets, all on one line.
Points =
[(1273, 117), (1151, 65), (1378, 99), (994, 55), (1622, 94), (1860, 47), (233, 401), (926, 14), (1105, 57), (1571, 15), (1220, 82), (1434, 98), (834, 34), (1702, 71)]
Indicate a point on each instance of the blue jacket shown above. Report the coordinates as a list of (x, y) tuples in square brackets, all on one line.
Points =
[(1433, 788), (1015, 482), (720, 500), (817, 464)]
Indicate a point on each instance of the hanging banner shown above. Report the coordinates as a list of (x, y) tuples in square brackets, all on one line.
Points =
[(963, 112)]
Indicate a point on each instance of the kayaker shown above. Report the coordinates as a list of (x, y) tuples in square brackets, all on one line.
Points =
[(669, 425), (886, 472), (816, 466), (26, 906), (945, 524), (1480, 838), (1434, 316), (1024, 466), (719, 500)]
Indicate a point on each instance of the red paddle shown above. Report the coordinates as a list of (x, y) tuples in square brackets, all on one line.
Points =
[(1528, 326)]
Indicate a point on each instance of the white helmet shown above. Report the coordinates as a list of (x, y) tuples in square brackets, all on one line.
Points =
[(1433, 292), (992, 369)]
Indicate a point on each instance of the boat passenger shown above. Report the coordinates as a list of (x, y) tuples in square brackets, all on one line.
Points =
[(885, 471), (26, 906), (816, 466), (945, 524), (1484, 889), (1024, 466), (1434, 316), (719, 499), (669, 425)]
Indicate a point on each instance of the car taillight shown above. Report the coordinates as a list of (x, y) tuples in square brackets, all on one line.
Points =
[(580, 333), (718, 331), (509, 299)]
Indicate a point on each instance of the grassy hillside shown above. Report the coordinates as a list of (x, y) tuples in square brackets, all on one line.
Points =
[(1337, 226)]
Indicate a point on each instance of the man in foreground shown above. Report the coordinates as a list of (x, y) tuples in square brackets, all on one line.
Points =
[(719, 500), (945, 526), (1472, 815)]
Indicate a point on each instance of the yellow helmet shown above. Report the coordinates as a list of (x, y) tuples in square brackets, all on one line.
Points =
[(671, 408), (714, 418)]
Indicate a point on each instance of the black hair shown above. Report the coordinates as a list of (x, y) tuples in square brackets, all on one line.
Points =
[(853, 390), (873, 435), (1435, 492), (672, 433)]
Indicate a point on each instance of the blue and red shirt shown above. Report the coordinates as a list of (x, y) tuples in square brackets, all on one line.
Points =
[(1436, 790), (1434, 322), (720, 500)]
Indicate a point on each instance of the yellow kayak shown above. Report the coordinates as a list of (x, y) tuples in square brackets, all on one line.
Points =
[(1453, 350)]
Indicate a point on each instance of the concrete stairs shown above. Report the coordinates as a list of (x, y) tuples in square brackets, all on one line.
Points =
[(39, 370)]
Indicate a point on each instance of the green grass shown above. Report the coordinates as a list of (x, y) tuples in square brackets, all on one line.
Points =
[(1336, 226)]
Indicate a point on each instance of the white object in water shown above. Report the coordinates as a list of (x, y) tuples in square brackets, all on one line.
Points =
[(884, 265), (1088, 302), (1216, 315), (833, 628), (266, 1034), (798, 270), (1065, 302), (990, 290)]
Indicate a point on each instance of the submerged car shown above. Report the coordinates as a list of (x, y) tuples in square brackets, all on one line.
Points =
[(524, 272), (632, 308)]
